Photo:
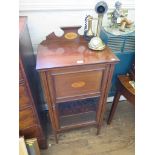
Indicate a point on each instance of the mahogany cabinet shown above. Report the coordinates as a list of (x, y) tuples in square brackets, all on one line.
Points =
[(70, 71), (29, 98)]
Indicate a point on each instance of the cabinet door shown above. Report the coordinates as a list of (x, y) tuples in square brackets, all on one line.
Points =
[(74, 84), (68, 86)]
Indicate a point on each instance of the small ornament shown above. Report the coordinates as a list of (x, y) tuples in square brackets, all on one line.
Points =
[(119, 17)]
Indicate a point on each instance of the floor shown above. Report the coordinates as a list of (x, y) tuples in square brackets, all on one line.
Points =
[(115, 139)]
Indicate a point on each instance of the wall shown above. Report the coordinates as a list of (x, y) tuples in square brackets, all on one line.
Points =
[(46, 16)]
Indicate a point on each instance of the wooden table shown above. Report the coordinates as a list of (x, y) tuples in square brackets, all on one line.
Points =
[(69, 71)]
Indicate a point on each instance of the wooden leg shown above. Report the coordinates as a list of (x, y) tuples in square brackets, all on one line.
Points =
[(56, 137), (113, 108), (42, 143), (98, 129)]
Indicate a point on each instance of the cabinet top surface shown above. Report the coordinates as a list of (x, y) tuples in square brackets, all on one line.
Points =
[(60, 52)]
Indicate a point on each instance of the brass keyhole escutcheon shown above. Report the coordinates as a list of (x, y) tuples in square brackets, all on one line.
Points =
[(78, 84)]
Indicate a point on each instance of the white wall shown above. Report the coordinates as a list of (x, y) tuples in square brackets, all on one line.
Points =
[(46, 16)]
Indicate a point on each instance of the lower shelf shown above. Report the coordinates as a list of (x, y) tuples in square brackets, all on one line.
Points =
[(77, 119)]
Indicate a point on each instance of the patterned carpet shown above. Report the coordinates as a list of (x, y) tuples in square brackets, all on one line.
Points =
[(115, 139)]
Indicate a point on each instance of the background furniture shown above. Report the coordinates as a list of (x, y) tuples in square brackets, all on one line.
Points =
[(123, 88), (29, 98), (123, 46), (69, 71)]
